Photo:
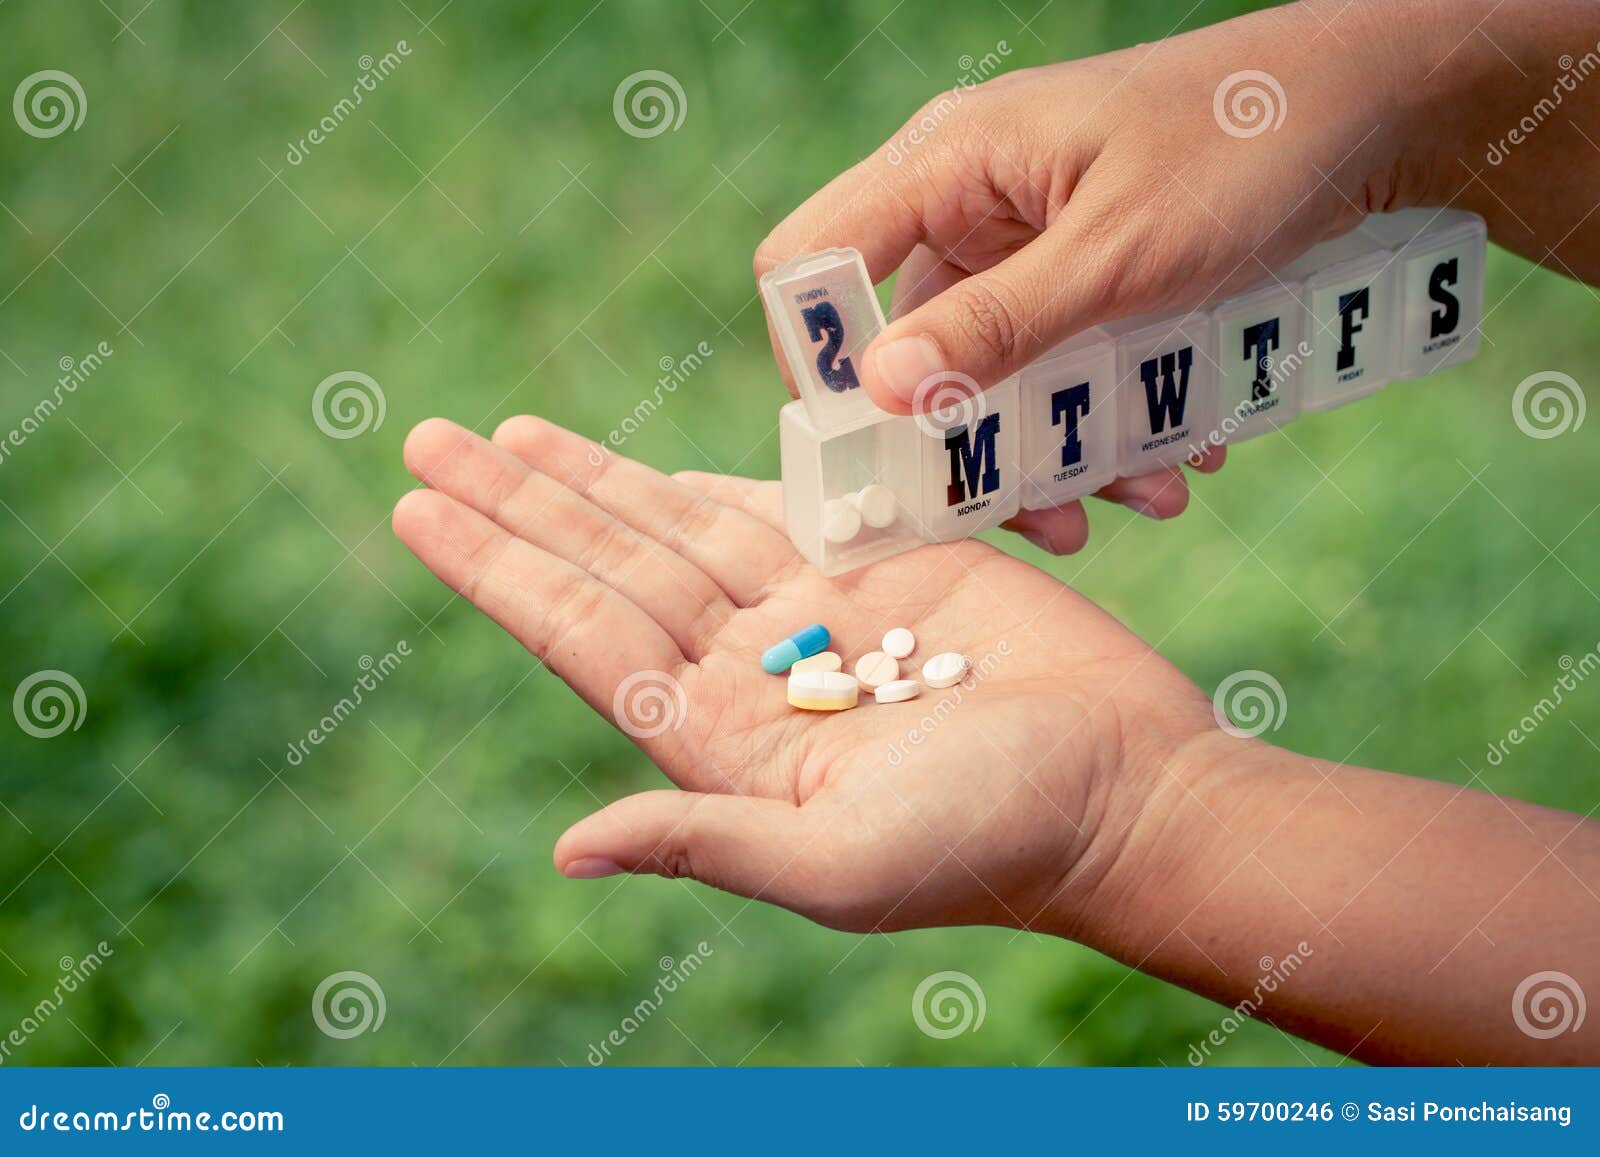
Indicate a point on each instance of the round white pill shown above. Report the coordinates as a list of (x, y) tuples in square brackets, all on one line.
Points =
[(826, 661), (877, 505), (874, 669), (841, 521), (899, 642), (897, 691), (945, 669)]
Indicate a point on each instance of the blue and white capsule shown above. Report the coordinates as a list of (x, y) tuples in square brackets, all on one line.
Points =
[(804, 643)]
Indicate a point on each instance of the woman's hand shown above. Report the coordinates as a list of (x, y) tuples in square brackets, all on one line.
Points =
[(1076, 785), (1028, 208), (1001, 801)]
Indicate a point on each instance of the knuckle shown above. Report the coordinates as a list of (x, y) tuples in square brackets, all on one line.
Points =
[(987, 315)]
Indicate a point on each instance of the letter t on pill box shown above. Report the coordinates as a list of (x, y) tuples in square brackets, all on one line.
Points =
[(1069, 421)]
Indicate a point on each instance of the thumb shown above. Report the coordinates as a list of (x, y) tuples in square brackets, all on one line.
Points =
[(754, 847), (987, 326)]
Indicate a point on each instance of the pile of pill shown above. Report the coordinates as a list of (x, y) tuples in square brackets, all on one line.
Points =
[(818, 682)]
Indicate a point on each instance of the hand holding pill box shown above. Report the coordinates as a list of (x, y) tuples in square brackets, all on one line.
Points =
[(1398, 297)]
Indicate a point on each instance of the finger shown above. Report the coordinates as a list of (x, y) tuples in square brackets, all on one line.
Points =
[(986, 326), (540, 510), (1162, 494), (922, 277), (1209, 460), (1060, 530), (763, 500), (587, 633), (741, 554), (873, 206), (760, 848)]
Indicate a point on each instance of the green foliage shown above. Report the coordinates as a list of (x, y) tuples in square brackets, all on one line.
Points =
[(482, 239)]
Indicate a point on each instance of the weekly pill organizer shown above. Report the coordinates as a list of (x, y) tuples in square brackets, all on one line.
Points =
[(1398, 297)]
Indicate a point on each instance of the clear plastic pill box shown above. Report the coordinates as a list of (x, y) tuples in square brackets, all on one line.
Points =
[(1397, 297)]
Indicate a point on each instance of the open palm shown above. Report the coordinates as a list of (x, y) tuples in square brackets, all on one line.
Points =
[(653, 597)]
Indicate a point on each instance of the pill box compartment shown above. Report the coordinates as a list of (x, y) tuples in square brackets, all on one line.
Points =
[(1068, 409), (1438, 286), (1258, 336), (824, 475), (823, 308), (1166, 389), (969, 455), (1349, 320)]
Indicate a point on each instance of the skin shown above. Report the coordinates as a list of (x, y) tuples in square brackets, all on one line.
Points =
[(1077, 784)]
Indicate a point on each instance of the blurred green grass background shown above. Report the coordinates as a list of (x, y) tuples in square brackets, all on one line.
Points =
[(483, 240)]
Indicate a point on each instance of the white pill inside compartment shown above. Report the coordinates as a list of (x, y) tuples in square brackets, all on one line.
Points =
[(877, 504), (841, 521)]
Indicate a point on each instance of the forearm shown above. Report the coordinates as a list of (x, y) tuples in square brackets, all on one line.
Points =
[(1499, 112), (1384, 916)]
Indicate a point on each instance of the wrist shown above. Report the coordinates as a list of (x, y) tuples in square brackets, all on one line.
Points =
[(1186, 813), (1436, 77)]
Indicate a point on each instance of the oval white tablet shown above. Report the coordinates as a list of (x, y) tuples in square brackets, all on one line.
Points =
[(945, 669), (874, 669), (822, 690), (840, 520), (897, 691), (899, 642), (877, 505), (826, 661)]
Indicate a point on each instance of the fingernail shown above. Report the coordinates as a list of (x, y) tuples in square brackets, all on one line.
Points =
[(1143, 506), (905, 363), (591, 868), (1038, 540)]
